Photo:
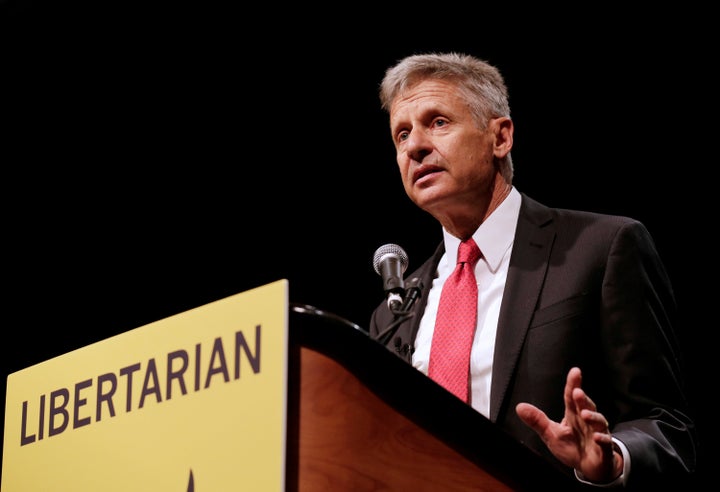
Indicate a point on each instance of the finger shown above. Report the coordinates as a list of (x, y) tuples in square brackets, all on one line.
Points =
[(536, 419), (583, 401), (596, 421), (532, 416), (572, 382)]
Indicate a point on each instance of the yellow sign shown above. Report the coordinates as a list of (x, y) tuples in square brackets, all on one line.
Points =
[(192, 403)]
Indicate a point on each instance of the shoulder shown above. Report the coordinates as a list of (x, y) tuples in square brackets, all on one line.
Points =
[(582, 226), (540, 213)]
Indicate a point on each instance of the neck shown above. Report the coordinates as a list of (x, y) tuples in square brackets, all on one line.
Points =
[(464, 226)]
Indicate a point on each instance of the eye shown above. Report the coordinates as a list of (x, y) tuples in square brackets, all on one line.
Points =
[(402, 136), (440, 122)]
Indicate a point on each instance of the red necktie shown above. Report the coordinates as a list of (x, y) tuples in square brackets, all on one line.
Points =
[(455, 324)]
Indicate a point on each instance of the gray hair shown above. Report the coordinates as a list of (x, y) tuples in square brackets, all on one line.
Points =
[(481, 85)]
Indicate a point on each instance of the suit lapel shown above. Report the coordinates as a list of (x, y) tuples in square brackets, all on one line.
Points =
[(427, 274), (526, 273)]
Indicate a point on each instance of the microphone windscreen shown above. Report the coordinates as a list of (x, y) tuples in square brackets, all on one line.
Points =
[(389, 250)]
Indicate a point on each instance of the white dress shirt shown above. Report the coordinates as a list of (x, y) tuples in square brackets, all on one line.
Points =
[(494, 237)]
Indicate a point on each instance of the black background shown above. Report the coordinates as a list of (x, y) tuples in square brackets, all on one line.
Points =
[(158, 157)]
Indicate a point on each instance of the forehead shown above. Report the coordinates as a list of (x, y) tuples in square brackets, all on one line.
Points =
[(429, 94)]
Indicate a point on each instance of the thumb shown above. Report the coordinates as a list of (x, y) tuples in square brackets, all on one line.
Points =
[(532, 416)]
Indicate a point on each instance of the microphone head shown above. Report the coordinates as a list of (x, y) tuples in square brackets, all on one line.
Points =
[(387, 251)]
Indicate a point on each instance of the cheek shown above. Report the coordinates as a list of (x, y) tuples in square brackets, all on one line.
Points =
[(403, 164), (405, 174)]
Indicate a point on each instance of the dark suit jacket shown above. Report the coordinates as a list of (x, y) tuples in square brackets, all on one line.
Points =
[(586, 290)]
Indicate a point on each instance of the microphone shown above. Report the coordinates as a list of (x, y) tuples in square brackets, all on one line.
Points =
[(390, 262)]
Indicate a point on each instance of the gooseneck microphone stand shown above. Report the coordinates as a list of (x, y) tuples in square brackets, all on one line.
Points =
[(402, 313)]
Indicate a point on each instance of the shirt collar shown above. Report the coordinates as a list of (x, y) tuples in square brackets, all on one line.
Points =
[(495, 235)]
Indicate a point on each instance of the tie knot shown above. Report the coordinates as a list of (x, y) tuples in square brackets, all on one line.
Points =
[(468, 252)]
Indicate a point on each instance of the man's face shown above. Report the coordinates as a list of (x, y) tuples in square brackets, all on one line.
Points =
[(446, 162)]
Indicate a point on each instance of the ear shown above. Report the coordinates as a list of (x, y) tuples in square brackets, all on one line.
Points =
[(502, 128)]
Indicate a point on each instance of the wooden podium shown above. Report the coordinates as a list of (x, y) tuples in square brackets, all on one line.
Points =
[(360, 418), (188, 403)]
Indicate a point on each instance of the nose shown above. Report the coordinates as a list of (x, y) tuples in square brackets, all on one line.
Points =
[(418, 146)]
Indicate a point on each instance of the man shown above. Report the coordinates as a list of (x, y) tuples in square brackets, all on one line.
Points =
[(573, 350)]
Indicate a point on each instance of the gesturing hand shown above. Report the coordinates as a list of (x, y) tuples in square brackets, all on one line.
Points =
[(582, 440)]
